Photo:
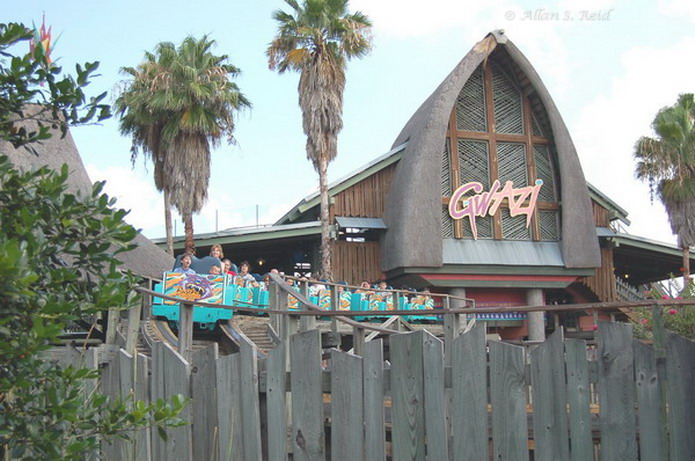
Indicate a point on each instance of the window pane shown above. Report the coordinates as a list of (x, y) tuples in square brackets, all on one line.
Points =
[(506, 99), (550, 224), (544, 171), (514, 228), (511, 162), (473, 162), (470, 104)]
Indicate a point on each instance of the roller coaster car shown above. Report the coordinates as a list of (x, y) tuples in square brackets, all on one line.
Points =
[(201, 286)]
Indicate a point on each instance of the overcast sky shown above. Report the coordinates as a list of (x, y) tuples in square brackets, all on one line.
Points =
[(610, 65)]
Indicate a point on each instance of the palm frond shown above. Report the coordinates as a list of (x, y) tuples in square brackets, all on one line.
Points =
[(667, 163)]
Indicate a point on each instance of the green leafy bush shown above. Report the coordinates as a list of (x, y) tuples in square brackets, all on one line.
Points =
[(679, 319), (57, 264)]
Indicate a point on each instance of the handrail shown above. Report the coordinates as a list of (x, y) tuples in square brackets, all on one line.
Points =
[(428, 312), (353, 288), (315, 310), (186, 311)]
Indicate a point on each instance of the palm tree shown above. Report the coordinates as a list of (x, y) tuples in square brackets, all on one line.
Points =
[(667, 162), (316, 41), (180, 103), (138, 120)]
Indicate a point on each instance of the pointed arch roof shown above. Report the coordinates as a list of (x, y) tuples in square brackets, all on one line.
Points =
[(413, 209)]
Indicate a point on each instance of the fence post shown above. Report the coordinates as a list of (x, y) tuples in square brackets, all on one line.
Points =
[(450, 329), (112, 320), (306, 322), (131, 338), (186, 331), (335, 300), (358, 340), (660, 352), (274, 303)]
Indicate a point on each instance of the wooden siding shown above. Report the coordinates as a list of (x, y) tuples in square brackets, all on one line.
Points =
[(356, 261), (602, 283), (600, 215), (367, 198)]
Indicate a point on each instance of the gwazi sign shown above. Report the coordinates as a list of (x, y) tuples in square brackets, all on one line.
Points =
[(522, 201)]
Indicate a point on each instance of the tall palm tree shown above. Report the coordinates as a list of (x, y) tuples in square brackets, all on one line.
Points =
[(184, 103), (138, 120), (316, 41), (667, 162)]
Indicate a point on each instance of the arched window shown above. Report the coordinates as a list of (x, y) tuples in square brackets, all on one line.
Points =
[(494, 134)]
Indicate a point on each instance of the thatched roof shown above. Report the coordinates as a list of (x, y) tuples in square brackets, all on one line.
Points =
[(413, 210), (146, 259)]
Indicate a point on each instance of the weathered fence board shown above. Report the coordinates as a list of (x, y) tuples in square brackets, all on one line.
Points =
[(435, 409), (407, 394), (648, 390), (347, 410), (118, 385), (143, 438), (634, 382), (469, 388), (158, 391), (250, 401), (616, 392), (204, 391), (307, 396), (276, 403), (171, 376), (373, 388), (680, 369), (550, 431), (127, 371), (578, 398), (231, 424), (508, 399)]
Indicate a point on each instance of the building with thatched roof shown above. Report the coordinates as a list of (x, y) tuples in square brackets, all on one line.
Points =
[(146, 259), (482, 196)]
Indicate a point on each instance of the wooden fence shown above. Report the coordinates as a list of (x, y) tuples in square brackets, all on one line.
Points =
[(621, 400)]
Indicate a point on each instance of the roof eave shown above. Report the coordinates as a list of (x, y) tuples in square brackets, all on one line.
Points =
[(343, 183), (603, 200)]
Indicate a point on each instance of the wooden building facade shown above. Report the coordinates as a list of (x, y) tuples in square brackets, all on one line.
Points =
[(482, 196)]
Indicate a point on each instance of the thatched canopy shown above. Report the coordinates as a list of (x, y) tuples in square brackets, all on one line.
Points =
[(147, 259), (413, 211)]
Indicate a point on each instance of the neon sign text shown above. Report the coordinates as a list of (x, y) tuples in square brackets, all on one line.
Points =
[(522, 201)]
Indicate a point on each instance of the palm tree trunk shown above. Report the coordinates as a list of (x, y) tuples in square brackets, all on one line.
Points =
[(686, 266), (188, 228), (325, 270), (167, 224)]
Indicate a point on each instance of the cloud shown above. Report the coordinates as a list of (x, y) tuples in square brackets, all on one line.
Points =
[(409, 18), (133, 193), (609, 126), (678, 8), (544, 41)]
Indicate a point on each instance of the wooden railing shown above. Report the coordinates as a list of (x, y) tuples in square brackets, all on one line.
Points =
[(288, 322)]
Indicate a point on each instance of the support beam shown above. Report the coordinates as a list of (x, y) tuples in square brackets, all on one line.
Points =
[(536, 321), (186, 331), (453, 323)]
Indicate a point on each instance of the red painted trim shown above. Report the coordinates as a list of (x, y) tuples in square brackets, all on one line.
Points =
[(503, 278)]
